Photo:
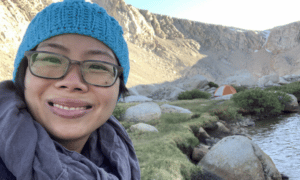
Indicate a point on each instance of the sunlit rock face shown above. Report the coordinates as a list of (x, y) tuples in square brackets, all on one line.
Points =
[(163, 48)]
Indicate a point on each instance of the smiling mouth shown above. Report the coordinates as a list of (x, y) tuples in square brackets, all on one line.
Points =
[(69, 108)]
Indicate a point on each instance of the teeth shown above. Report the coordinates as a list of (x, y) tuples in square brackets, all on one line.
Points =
[(69, 108)]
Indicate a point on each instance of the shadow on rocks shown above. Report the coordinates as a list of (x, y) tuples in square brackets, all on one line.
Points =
[(204, 175)]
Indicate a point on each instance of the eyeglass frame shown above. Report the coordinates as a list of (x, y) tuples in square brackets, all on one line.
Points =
[(80, 63)]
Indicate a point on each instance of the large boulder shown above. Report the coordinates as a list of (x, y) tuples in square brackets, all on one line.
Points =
[(225, 97), (142, 113), (195, 82), (166, 92), (166, 108), (292, 77), (291, 105), (133, 92), (143, 127), (274, 78), (236, 158), (145, 90), (199, 152), (138, 98), (240, 78), (282, 81)]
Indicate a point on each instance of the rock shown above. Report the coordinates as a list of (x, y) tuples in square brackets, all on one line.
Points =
[(236, 158), (284, 177), (226, 97), (166, 108), (241, 78), (212, 141), (133, 91), (143, 127), (142, 113), (292, 105), (146, 90), (167, 92), (222, 128), (202, 134), (271, 84), (292, 77), (205, 88), (204, 175), (139, 98), (274, 78), (199, 152), (194, 82), (282, 81), (246, 121)]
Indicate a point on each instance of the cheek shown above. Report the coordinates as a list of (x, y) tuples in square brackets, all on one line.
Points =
[(109, 95)]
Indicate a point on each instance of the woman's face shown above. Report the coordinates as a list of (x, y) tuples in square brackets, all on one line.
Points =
[(52, 102)]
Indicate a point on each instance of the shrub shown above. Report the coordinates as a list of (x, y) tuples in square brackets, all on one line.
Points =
[(292, 88), (260, 102), (212, 84), (226, 113), (119, 110), (193, 94), (239, 88)]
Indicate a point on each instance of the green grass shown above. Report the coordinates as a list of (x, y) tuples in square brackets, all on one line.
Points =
[(160, 154)]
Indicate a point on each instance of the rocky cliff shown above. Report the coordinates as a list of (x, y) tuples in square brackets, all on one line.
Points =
[(163, 48)]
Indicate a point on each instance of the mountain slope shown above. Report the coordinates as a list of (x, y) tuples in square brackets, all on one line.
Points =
[(163, 48)]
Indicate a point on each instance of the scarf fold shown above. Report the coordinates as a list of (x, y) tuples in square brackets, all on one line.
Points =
[(29, 153)]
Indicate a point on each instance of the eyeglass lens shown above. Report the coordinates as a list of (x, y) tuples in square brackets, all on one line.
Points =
[(49, 65)]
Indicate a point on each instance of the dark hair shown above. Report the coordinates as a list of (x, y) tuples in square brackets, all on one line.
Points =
[(20, 77)]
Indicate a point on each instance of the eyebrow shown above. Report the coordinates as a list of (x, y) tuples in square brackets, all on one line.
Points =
[(99, 52), (56, 46), (90, 52)]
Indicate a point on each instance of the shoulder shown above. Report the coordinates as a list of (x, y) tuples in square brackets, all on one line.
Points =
[(5, 174)]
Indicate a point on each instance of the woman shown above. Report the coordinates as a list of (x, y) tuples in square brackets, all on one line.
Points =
[(56, 115)]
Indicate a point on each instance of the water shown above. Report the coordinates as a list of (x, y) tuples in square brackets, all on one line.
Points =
[(280, 139)]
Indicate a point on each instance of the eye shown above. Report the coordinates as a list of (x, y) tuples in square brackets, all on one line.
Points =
[(53, 60), (98, 67)]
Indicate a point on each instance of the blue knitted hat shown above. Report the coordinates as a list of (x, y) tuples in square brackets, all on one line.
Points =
[(75, 17)]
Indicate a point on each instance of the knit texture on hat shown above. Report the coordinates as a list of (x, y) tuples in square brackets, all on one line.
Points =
[(75, 17)]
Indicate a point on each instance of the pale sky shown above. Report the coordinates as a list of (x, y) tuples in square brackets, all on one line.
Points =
[(245, 14)]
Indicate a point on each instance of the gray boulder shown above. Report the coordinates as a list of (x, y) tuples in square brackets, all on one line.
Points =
[(133, 92), (145, 90), (195, 82), (292, 77), (270, 84), (143, 127), (138, 98), (292, 105), (236, 158), (166, 92), (222, 128), (240, 78), (199, 152), (226, 97), (274, 78), (142, 113), (282, 81), (166, 108)]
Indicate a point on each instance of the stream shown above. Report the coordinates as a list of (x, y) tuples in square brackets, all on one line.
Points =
[(280, 139)]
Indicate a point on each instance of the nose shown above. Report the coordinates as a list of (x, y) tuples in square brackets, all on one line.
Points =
[(72, 82)]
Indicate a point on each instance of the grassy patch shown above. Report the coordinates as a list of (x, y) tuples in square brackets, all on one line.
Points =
[(162, 155)]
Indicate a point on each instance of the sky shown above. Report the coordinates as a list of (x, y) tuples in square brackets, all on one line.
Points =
[(244, 14)]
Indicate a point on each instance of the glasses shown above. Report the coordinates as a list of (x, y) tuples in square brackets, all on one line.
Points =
[(55, 66)]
